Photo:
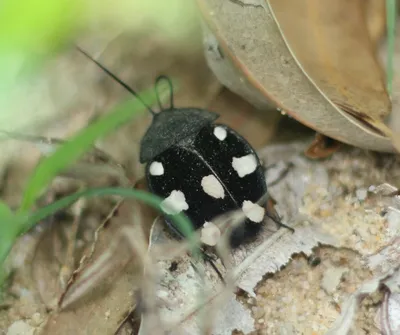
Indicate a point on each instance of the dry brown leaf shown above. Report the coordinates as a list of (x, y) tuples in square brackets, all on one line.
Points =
[(106, 305), (322, 147), (331, 42), (296, 57), (255, 126), (101, 289)]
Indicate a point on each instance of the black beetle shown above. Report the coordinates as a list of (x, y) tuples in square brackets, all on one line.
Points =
[(202, 169)]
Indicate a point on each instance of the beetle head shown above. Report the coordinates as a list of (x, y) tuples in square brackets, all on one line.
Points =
[(171, 125)]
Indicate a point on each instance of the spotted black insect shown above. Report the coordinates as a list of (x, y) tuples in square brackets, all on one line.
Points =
[(201, 168)]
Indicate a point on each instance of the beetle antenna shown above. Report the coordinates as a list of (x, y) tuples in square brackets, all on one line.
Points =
[(210, 260), (119, 81), (278, 221), (171, 90)]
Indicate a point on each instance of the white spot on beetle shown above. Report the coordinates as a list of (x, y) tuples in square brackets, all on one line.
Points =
[(254, 212), (244, 165), (174, 203), (212, 187), (156, 169), (220, 133), (210, 234)]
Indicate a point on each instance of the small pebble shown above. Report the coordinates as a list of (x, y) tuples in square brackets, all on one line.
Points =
[(361, 194), (331, 278), (373, 230), (393, 218)]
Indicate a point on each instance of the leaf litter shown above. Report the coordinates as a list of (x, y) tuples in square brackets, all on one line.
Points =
[(333, 196)]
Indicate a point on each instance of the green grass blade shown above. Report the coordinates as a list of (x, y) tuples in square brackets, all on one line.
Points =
[(5, 212), (6, 243), (25, 223), (72, 150), (7, 229), (181, 221), (391, 14), (10, 225)]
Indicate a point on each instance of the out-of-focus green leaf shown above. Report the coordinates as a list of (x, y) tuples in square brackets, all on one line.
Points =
[(35, 25), (38, 25)]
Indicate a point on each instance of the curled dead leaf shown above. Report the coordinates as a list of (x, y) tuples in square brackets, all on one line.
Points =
[(309, 58)]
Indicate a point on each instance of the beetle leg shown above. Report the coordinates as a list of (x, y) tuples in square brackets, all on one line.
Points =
[(282, 174), (273, 215), (278, 222), (210, 259)]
